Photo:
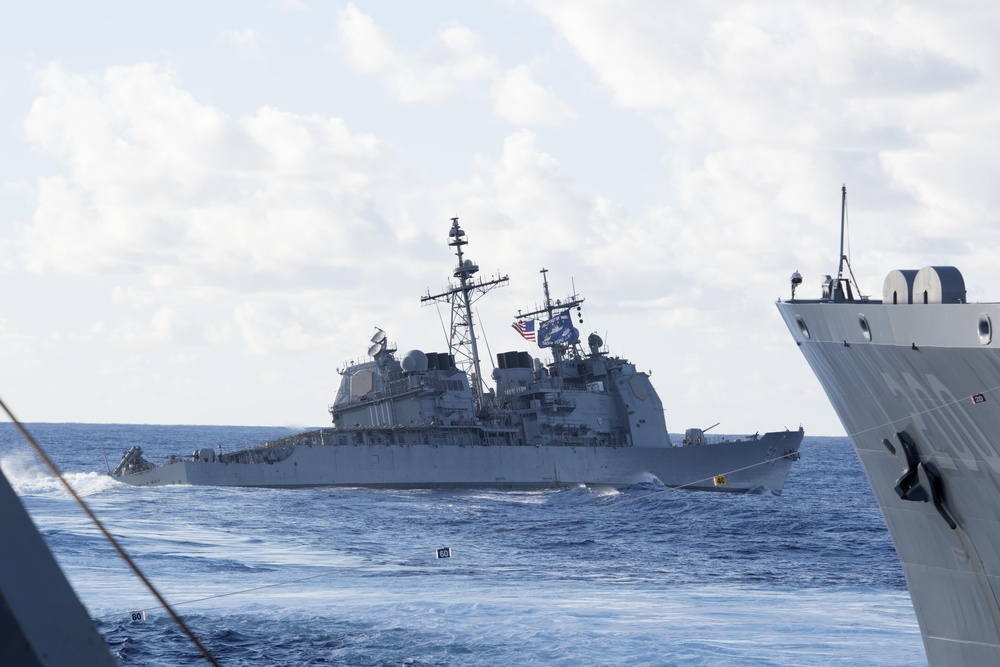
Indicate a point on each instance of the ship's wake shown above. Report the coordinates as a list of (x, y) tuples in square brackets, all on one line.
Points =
[(29, 478)]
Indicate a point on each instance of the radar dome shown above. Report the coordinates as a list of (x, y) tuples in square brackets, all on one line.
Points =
[(414, 361), (595, 342)]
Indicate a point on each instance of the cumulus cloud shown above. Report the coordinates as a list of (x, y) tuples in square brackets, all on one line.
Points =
[(458, 59), (526, 193), (199, 204), (527, 208), (267, 326), (459, 63), (771, 103), (768, 57), (288, 5), (519, 99), (265, 228), (246, 40), (157, 182)]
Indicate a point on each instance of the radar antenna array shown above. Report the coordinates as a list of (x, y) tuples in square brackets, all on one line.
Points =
[(378, 343)]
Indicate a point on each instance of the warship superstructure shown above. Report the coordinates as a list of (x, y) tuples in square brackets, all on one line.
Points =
[(427, 419), (915, 380)]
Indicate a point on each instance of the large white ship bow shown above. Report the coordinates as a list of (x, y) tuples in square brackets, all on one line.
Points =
[(915, 380)]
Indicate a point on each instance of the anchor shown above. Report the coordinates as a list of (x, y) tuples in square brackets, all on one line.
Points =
[(920, 481)]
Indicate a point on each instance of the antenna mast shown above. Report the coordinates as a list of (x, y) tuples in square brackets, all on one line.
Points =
[(548, 309), (841, 290), (843, 220), (462, 342)]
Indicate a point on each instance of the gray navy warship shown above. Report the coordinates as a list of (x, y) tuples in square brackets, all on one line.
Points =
[(915, 380), (427, 420)]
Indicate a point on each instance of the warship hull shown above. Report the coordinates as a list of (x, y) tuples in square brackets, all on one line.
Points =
[(751, 465), (917, 388)]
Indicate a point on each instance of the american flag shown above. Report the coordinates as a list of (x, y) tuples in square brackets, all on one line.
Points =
[(526, 328)]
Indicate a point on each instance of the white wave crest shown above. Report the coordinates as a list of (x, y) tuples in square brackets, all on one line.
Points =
[(28, 477), (603, 490)]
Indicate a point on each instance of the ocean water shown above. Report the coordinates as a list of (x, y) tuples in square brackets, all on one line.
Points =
[(592, 576)]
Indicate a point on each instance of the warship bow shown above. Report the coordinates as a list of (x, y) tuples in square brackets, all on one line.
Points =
[(915, 380)]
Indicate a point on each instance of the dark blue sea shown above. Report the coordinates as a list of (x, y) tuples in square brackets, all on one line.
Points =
[(579, 576)]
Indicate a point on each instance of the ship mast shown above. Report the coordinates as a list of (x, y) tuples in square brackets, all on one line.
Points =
[(548, 308), (462, 342), (843, 285), (843, 221)]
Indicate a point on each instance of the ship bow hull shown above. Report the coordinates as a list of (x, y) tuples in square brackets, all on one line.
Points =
[(917, 391)]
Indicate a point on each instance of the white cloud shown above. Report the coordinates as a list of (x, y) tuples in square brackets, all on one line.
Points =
[(366, 46), (157, 183), (288, 5), (272, 325), (133, 297), (17, 343), (458, 64), (246, 39), (699, 164), (744, 71), (439, 73), (778, 103), (519, 99), (204, 207), (524, 193)]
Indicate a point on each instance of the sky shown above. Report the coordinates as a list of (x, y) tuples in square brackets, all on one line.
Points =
[(206, 209)]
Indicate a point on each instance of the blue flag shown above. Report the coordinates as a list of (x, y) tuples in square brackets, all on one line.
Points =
[(558, 331)]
